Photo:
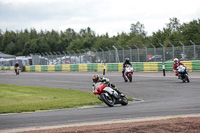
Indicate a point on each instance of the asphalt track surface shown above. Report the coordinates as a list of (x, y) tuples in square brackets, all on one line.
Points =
[(159, 96)]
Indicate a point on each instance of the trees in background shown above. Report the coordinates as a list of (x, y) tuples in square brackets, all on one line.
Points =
[(26, 41)]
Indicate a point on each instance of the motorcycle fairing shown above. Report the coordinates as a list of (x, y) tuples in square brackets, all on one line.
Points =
[(111, 91)]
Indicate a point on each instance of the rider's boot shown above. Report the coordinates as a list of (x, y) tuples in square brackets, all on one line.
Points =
[(119, 92)]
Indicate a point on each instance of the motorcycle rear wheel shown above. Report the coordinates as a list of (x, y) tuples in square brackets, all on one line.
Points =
[(108, 99)]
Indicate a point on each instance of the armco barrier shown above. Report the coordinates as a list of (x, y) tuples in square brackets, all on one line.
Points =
[(138, 67)]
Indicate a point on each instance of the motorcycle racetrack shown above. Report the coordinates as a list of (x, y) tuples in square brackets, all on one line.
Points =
[(156, 95)]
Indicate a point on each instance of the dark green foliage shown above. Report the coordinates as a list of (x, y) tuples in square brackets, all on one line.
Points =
[(26, 41)]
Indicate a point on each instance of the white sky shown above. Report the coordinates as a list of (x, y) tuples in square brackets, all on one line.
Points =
[(112, 16)]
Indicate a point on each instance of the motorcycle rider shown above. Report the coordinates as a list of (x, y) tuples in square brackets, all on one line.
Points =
[(126, 62), (97, 78), (16, 65), (177, 63)]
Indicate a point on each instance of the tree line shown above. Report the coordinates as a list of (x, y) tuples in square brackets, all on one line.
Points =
[(27, 41)]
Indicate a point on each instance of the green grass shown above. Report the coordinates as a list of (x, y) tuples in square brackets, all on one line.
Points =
[(176, 118), (17, 99)]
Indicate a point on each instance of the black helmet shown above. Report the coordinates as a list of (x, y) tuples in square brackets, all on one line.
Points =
[(95, 78), (127, 59)]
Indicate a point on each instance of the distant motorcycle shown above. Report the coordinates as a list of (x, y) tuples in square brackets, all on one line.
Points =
[(109, 96), (128, 72), (183, 74), (17, 70)]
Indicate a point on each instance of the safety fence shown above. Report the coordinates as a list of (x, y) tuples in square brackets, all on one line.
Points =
[(117, 55), (192, 66)]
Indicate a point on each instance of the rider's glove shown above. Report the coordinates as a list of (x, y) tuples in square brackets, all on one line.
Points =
[(105, 79)]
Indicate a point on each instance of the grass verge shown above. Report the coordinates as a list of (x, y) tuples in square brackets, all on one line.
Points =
[(17, 98)]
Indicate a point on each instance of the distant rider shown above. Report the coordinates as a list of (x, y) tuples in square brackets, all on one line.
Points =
[(16, 65), (177, 63), (96, 79), (126, 62)]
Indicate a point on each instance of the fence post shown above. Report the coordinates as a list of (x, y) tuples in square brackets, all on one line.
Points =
[(90, 55), (183, 49), (163, 51), (102, 52), (51, 58), (56, 56), (96, 55), (122, 53), (43, 62), (146, 51), (154, 48), (172, 48), (60, 57), (74, 56), (138, 52), (79, 55), (116, 53), (194, 49), (108, 54), (65, 56), (83, 51), (130, 53), (69, 56)]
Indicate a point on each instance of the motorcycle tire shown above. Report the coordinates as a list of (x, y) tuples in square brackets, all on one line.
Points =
[(130, 77), (187, 78), (124, 101), (108, 100), (125, 79)]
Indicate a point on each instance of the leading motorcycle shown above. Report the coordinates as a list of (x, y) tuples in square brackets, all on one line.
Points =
[(17, 70), (108, 95), (182, 73), (128, 72)]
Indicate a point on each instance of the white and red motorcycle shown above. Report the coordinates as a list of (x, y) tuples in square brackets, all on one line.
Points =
[(128, 73), (108, 95)]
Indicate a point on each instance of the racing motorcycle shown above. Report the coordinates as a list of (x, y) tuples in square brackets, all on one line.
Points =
[(17, 70), (128, 72), (108, 95), (182, 73)]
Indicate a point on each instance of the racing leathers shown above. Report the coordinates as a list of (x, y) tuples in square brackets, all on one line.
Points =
[(16, 65), (106, 81), (124, 66), (175, 68)]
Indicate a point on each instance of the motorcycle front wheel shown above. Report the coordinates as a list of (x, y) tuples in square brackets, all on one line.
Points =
[(130, 77), (124, 101), (108, 99), (187, 78)]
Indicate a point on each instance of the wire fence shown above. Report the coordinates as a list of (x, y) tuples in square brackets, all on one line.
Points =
[(118, 55)]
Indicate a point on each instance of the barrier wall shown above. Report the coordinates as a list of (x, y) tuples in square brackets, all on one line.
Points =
[(110, 67)]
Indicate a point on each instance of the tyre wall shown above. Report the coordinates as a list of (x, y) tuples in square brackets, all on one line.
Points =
[(109, 67)]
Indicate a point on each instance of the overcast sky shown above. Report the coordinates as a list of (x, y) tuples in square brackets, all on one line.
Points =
[(112, 16)]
